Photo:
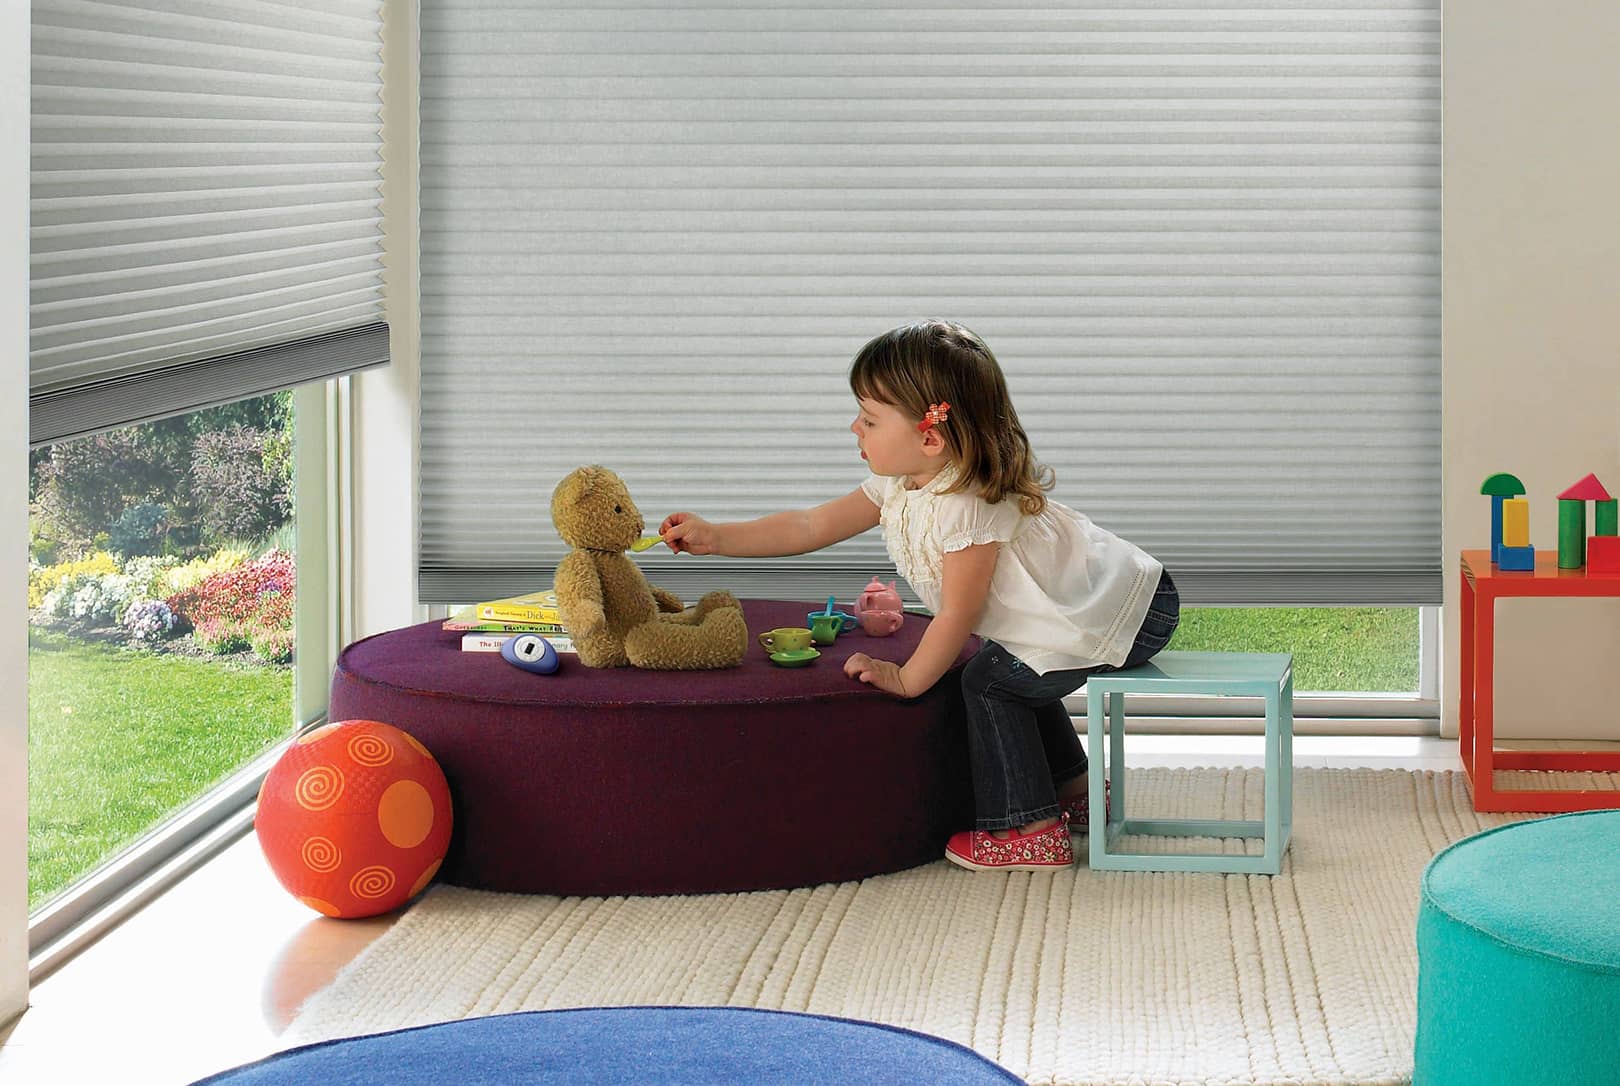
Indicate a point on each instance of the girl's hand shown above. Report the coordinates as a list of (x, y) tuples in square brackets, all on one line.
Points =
[(883, 674), (688, 532)]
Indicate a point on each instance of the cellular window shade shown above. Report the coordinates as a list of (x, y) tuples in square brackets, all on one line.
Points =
[(205, 200), (1202, 238)]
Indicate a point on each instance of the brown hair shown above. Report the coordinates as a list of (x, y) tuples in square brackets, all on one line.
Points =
[(933, 361)]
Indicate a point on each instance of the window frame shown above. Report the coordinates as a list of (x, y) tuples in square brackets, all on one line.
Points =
[(196, 833)]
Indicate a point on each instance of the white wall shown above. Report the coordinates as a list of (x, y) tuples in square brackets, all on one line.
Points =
[(14, 30), (1531, 277)]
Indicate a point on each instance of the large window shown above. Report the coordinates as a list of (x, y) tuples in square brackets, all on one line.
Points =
[(161, 640)]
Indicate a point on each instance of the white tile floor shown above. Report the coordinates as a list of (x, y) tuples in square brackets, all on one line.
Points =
[(209, 975)]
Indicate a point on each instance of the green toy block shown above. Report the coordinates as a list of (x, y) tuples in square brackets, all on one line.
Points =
[(1502, 485), (1608, 518), (1571, 533)]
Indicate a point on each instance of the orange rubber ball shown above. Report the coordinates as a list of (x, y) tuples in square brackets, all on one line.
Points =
[(355, 818)]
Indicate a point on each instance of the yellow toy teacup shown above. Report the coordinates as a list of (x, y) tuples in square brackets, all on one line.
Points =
[(785, 639)]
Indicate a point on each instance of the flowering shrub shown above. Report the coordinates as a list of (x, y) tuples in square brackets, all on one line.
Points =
[(149, 621), (150, 575), (220, 636), (254, 594), (272, 646), (91, 599), (43, 580), (181, 577), (230, 606)]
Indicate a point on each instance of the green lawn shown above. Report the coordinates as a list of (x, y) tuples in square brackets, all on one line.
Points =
[(119, 739), (1335, 648)]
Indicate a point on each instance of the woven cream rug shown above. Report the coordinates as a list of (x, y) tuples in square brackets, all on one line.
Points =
[(1071, 977)]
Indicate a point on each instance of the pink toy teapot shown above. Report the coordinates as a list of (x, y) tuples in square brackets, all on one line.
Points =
[(878, 608)]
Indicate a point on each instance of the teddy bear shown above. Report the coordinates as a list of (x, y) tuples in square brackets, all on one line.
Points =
[(614, 616)]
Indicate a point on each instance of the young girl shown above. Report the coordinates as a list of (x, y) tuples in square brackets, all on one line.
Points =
[(967, 522)]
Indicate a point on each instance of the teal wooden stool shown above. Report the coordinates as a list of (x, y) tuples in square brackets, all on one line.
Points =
[(1234, 674)]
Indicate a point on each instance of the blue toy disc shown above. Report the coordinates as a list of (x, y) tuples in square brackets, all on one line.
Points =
[(531, 652)]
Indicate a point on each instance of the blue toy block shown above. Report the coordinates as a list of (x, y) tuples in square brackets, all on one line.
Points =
[(1517, 559), (1496, 528), (1236, 674)]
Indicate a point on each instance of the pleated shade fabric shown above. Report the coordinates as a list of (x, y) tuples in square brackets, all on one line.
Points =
[(1202, 239), (206, 216)]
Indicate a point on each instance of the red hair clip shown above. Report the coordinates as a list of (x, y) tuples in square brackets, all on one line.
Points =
[(936, 414)]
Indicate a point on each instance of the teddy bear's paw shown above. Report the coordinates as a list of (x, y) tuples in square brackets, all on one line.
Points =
[(668, 602), (719, 641), (601, 652)]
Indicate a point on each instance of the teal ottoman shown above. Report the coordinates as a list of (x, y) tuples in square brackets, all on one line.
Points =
[(1518, 938)]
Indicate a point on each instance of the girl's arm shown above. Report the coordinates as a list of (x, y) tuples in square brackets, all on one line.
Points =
[(964, 587), (797, 531)]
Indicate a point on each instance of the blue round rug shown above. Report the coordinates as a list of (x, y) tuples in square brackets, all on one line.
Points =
[(668, 1045)]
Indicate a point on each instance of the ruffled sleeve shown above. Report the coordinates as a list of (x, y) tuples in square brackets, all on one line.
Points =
[(876, 487), (966, 520)]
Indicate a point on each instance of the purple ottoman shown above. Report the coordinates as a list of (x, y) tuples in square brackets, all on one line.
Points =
[(603, 782)]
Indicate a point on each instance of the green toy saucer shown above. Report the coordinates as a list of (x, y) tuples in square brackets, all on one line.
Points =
[(794, 657)]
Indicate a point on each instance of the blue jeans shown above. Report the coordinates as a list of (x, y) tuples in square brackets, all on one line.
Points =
[(1021, 741)]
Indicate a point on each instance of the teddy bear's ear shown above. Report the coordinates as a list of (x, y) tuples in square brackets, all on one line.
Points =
[(580, 484), (573, 486)]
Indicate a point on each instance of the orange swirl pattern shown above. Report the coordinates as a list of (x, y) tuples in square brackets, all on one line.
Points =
[(372, 882), (318, 787), (321, 854), (371, 750), (355, 819)]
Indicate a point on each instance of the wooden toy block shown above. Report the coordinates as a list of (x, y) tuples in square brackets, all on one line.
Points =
[(1608, 518), (1499, 487), (1603, 554), (1517, 559), (1571, 533), (1515, 523), (1502, 485), (1587, 490)]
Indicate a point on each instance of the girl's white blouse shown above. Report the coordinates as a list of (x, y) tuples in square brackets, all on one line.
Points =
[(1065, 593)]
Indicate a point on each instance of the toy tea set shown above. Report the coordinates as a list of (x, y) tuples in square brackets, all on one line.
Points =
[(878, 612)]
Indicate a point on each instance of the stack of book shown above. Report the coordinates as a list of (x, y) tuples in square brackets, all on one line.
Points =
[(485, 626)]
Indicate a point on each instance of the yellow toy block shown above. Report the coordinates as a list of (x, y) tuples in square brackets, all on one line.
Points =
[(1515, 522)]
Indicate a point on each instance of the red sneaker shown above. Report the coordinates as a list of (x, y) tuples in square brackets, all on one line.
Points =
[(1042, 850), (1079, 808)]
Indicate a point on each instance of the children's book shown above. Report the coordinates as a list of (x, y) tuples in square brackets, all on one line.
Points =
[(466, 620), (532, 607), (484, 642)]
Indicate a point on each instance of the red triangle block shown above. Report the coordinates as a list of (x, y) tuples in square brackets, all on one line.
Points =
[(1587, 490)]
